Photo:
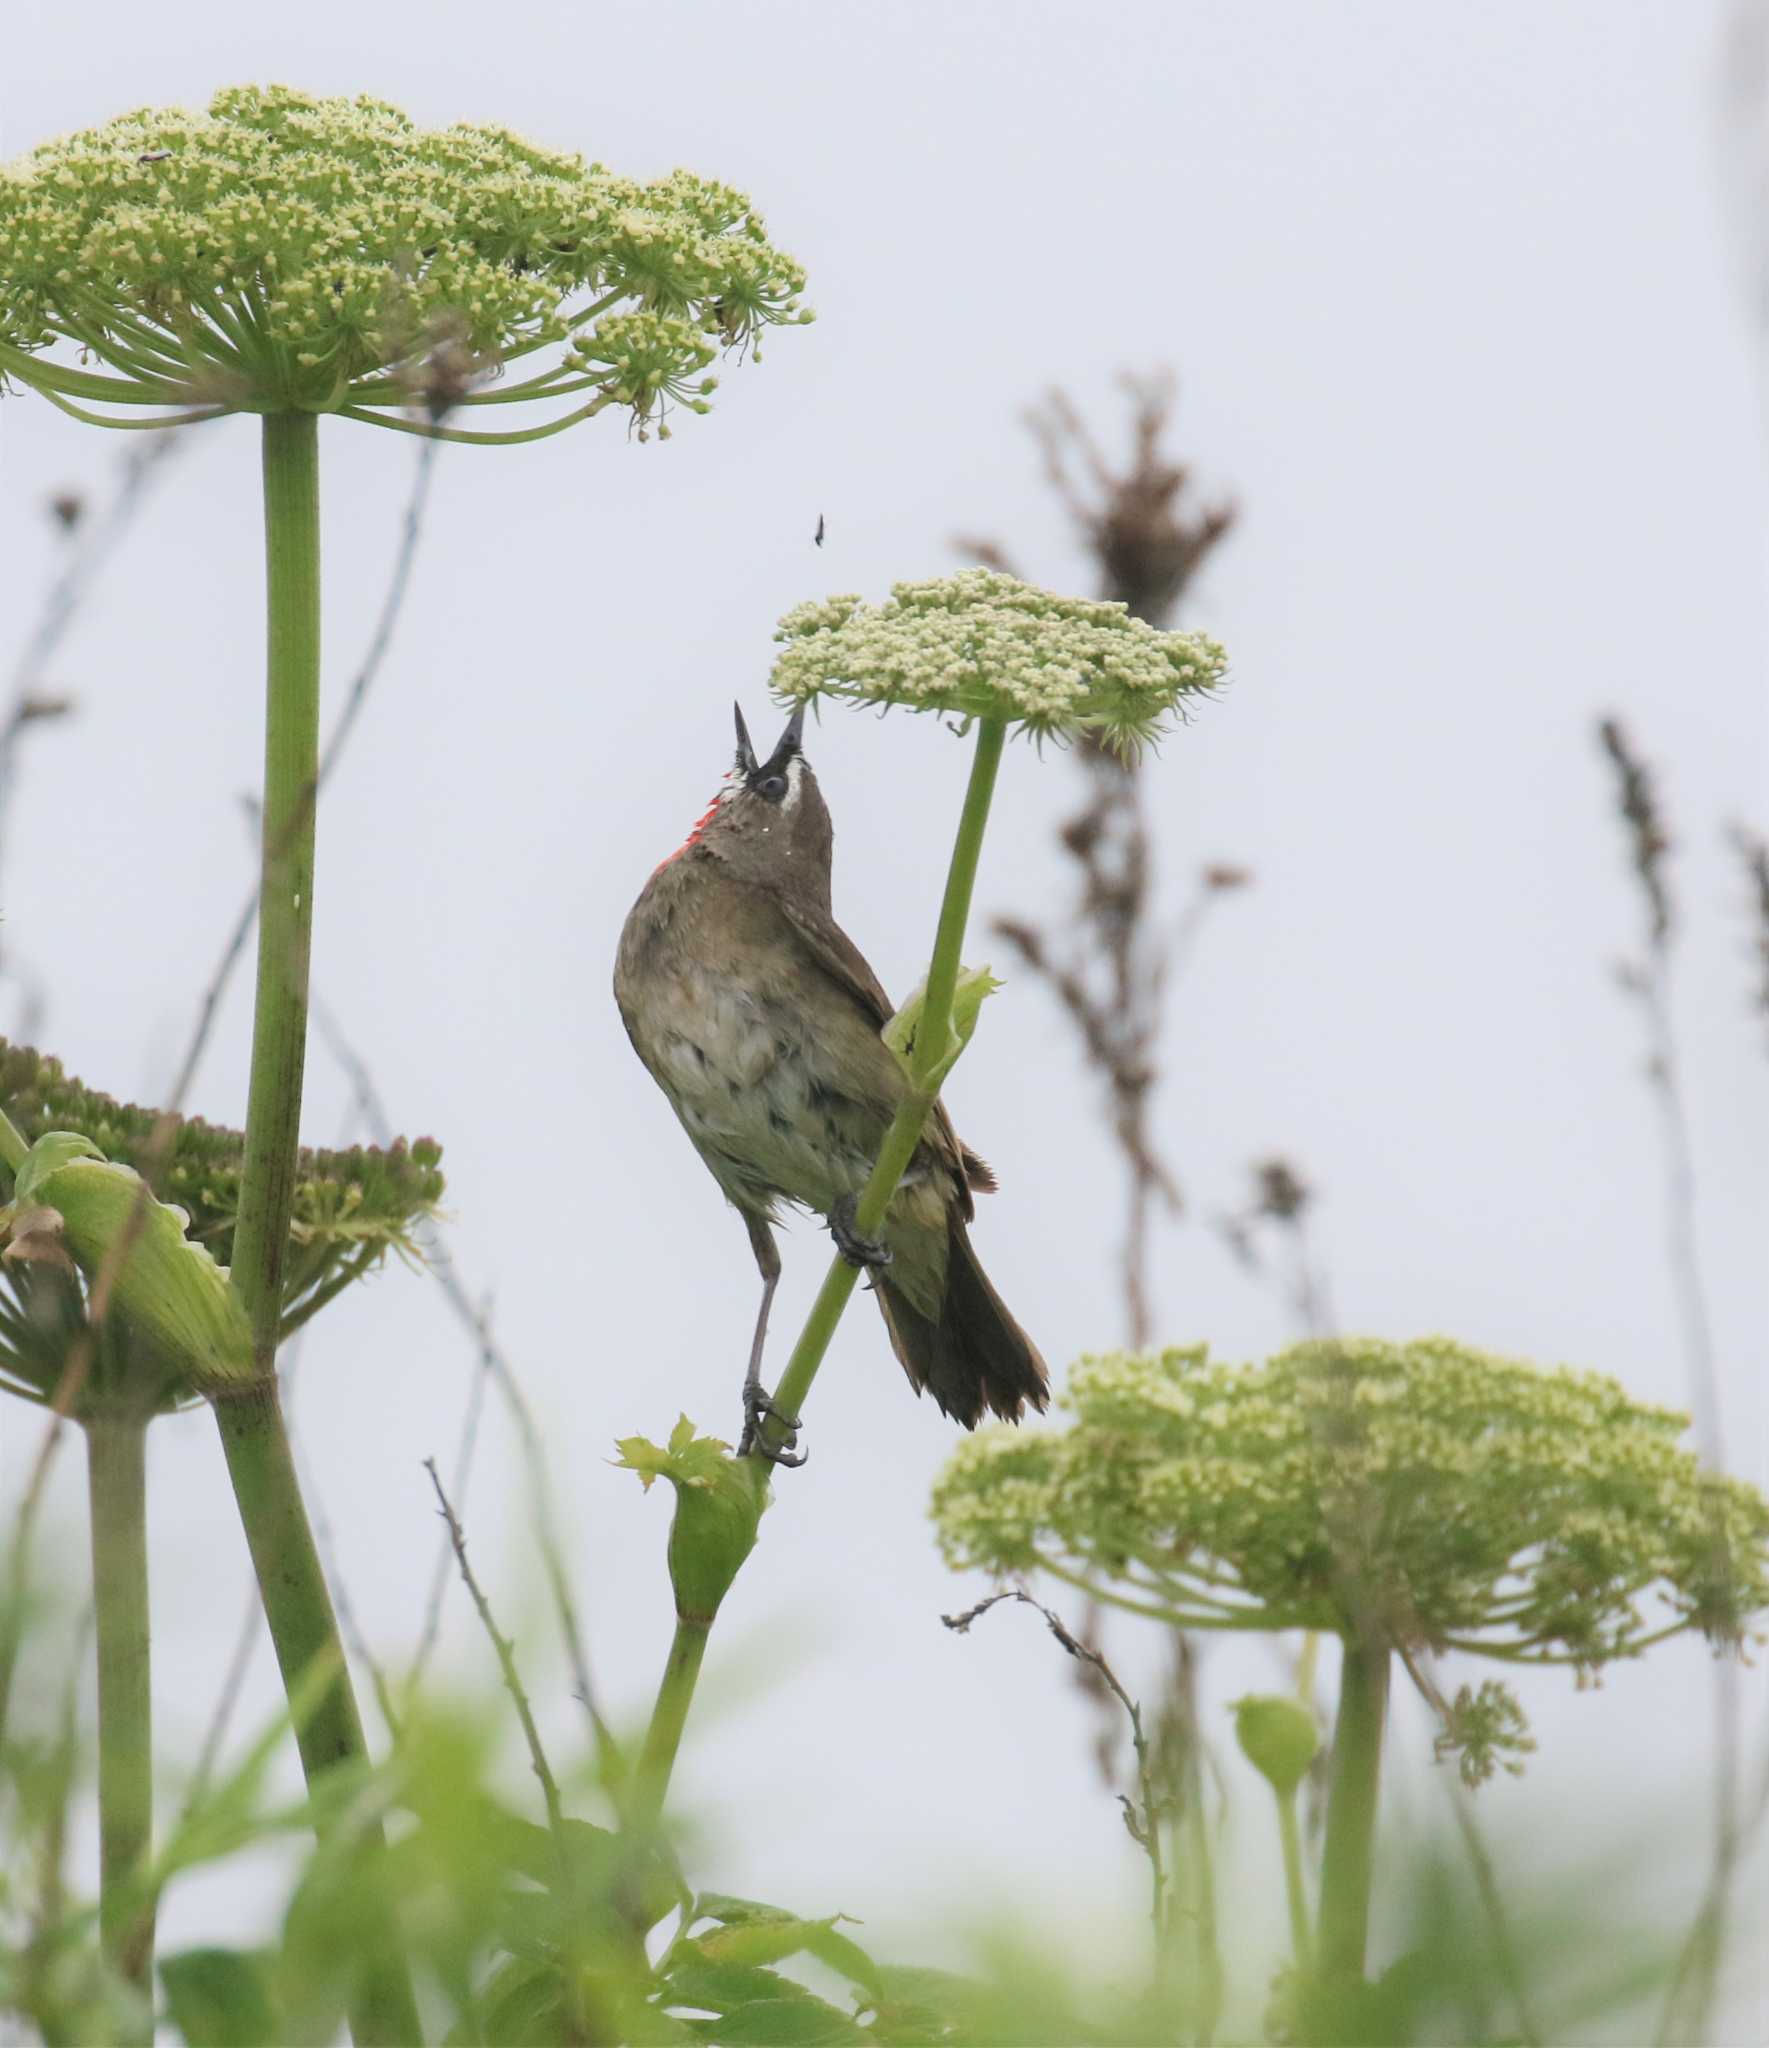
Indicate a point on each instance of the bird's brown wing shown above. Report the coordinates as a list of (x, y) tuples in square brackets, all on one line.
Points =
[(845, 964)]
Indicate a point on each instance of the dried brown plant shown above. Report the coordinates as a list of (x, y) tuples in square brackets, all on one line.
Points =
[(1108, 962)]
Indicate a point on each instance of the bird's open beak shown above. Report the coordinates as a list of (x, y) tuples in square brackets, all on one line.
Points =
[(746, 754)]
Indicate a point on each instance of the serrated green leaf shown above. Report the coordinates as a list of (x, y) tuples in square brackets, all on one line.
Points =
[(937, 1998), (695, 1980), (735, 1912), (688, 1460), (847, 1958), (639, 1454), (772, 1941), (649, 2026), (785, 2023), (534, 1851), (523, 2006), (220, 1998)]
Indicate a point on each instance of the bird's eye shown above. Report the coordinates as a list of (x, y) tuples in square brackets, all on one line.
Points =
[(772, 787)]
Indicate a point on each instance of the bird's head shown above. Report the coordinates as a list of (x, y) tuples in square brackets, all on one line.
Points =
[(769, 822)]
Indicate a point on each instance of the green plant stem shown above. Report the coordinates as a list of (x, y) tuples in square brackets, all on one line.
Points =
[(1295, 1891), (285, 903), (297, 1604), (670, 1715), (932, 1042), (1347, 1856), (12, 1144), (116, 1468), (930, 1063)]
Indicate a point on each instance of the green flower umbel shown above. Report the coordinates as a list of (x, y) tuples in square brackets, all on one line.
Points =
[(177, 1330), (285, 253), (1458, 1501), (984, 645)]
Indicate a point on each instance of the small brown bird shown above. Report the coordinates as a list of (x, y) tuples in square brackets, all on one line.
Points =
[(760, 1020)]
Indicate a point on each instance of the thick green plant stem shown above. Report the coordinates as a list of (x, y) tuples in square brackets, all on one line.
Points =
[(297, 1605), (1347, 1857), (669, 1716), (932, 1042), (116, 1470), (285, 898)]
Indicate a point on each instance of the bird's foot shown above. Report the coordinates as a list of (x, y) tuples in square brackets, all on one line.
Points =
[(758, 1407), (870, 1254)]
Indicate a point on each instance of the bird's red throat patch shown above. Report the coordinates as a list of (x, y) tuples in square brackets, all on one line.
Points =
[(700, 824)]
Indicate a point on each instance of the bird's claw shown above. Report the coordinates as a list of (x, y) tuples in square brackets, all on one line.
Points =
[(758, 1407), (870, 1254)]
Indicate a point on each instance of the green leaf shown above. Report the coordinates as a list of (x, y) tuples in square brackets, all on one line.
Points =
[(165, 1283), (689, 1460), (220, 1998), (694, 1980), (847, 1958), (523, 2007), (975, 986), (51, 1152), (925, 2000), (735, 1912), (761, 1941), (593, 1851), (785, 2023)]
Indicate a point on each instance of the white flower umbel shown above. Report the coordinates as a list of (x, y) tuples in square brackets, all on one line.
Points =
[(985, 645)]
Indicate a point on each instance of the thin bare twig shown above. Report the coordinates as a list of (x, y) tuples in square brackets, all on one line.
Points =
[(464, 1452), (1752, 850), (1281, 1202), (226, 1701), (379, 642), (348, 1627), (1144, 1815), (506, 1656), (27, 705), (1648, 981), (495, 1364)]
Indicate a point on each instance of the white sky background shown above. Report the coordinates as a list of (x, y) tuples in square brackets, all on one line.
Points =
[(1458, 314)]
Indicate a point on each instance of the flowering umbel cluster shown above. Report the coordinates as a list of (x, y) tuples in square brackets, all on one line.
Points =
[(281, 252), (351, 1208), (1450, 1499), (984, 645)]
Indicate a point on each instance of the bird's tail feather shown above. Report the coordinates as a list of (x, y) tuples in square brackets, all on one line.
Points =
[(972, 1355)]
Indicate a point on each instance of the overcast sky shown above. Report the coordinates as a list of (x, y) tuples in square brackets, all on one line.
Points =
[(1459, 311)]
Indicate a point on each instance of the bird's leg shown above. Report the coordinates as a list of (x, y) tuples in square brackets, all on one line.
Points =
[(870, 1254), (757, 1405)]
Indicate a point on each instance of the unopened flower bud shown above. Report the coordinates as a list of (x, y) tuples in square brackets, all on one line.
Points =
[(1278, 1737), (718, 1506)]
